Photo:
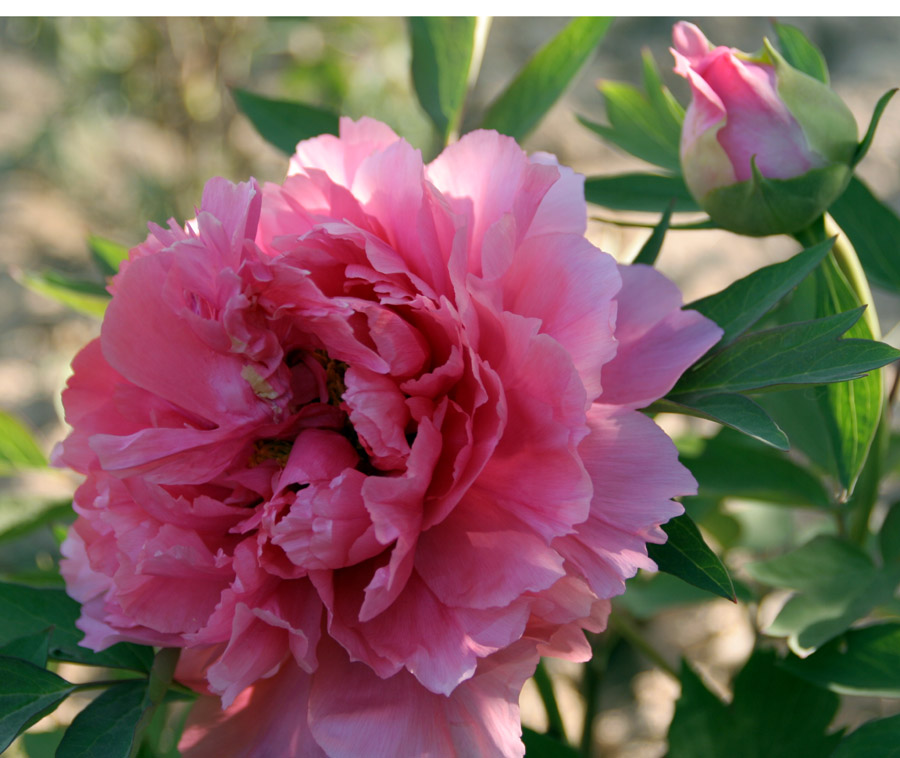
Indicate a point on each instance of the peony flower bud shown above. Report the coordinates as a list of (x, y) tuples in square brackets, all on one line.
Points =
[(765, 148)]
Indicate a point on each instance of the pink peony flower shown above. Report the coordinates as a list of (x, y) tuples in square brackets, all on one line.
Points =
[(365, 445), (757, 109)]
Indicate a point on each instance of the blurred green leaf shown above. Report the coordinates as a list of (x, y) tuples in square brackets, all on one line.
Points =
[(106, 728), (18, 449), (836, 585), (688, 557), (859, 662), (41, 744), (773, 715), (108, 255), (800, 52), (33, 649), (283, 123), (441, 55), (85, 297), (639, 192), (539, 745), (875, 739), (740, 305), (19, 515), (809, 352), (874, 231), (544, 78), (27, 694), (738, 412), (648, 594), (650, 249), (668, 109), (866, 143), (889, 535), (732, 467), (27, 610)]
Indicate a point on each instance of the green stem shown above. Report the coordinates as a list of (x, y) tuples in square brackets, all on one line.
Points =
[(632, 634), (544, 684), (161, 674)]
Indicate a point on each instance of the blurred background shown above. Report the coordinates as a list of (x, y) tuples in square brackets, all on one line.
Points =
[(106, 124)]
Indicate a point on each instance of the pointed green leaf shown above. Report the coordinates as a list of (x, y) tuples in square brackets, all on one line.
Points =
[(875, 739), (33, 649), (106, 728), (688, 557), (283, 123), (544, 78), (107, 254), (874, 231), (738, 412), (27, 694), (639, 192), (859, 662), (740, 305), (28, 610), (18, 449), (634, 127), (866, 143), (88, 298), (809, 352), (441, 54), (773, 715), (731, 466), (851, 410), (800, 52), (669, 111), (650, 249)]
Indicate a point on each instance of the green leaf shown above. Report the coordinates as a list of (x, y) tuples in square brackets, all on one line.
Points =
[(800, 52), (889, 535), (441, 55), (670, 114), (544, 78), (27, 610), (688, 557), (19, 516), (836, 585), (729, 466), (18, 449), (875, 739), (106, 728), (773, 715), (647, 594), (866, 143), (740, 305), (27, 694), (851, 410), (108, 255), (33, 649), (539, 745), (809, 352), (735, 411), (283, 123), (859, 662), (85, 297), (639, 192), (874, 231), (650, 249)]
